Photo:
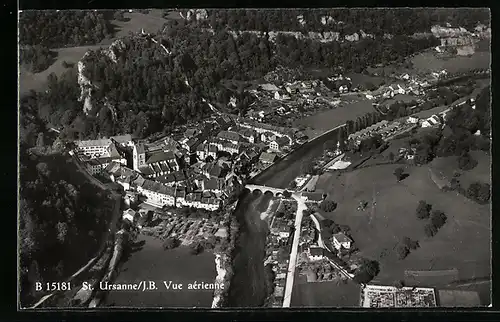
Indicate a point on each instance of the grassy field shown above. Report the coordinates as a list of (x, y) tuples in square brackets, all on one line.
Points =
[(462, 243), (152, 263), (325, 294), (482, 172), (35, 81), (331, 118), (151, 22), (428, 61)]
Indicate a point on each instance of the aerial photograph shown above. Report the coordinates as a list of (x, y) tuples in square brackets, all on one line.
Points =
[(254, 158)]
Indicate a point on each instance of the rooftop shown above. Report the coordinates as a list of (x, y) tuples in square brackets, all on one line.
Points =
[(160, 156), (342, 238), (89, 143)]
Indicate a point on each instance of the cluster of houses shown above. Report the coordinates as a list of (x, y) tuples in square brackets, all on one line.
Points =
[(293, 98), (176, 192), (97, 154), (382, 128), (278, 255)]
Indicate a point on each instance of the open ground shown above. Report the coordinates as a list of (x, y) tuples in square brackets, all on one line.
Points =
[(462, 243), (325, 294), (482, 172), (153, 263)]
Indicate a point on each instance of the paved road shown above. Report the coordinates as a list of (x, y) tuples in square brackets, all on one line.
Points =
[(301, 206)]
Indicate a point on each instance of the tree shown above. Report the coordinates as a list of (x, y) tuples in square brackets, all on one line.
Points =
[(480, 192), (423, 210), (399, 284), (402, 251), (438, 218), (287, 194), (411, 244), (367, 271), (466, 162), (196, 248), (170, 243), (430, 230), (328, 205), (399, 173)]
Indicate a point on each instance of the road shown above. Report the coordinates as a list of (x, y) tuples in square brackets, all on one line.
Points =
[(301, 206), (318, 227)]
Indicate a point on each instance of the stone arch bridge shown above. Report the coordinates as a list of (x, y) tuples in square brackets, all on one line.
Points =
[(264, 189)]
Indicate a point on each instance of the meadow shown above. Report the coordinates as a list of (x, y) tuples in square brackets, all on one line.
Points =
[(463, 243)]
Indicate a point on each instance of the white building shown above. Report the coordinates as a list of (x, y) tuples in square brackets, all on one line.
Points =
[(341, 240), (432, 121), (316, 253), (412, 120), (129, 215), (95, 148), (156, 194)]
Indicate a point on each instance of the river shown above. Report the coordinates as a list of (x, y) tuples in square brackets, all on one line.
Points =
[(248, 288), (281, 174)]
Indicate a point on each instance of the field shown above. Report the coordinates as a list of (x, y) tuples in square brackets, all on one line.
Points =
[(30, 81), (462, 243), (458, 298), (428, 61), (151, 22), (329, 119), (482, 172), (325, 294), (152, 263)]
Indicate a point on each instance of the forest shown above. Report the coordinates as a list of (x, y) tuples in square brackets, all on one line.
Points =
[(36, 58), (60, 227), (57, 29), (404, 21), (152, 91)]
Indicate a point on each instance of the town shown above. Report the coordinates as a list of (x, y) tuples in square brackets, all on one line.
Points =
[(323, 186)]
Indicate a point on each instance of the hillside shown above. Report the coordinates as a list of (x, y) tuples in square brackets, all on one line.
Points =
[(61, 227)]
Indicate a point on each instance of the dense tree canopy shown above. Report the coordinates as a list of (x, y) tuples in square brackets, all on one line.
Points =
[(56, 225), (36, 58), (55, 29), (401, 21)]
